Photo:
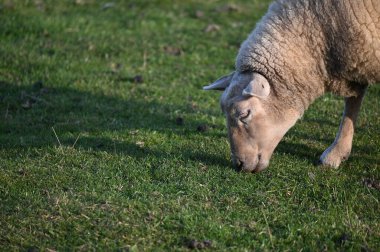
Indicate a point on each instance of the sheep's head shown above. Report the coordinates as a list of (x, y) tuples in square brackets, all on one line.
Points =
[(256, 121)]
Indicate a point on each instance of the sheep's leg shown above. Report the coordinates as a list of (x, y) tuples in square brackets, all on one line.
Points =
[(341, 148)]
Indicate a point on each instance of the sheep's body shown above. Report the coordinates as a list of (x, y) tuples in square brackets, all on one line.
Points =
[(309, 47), (300, 50)]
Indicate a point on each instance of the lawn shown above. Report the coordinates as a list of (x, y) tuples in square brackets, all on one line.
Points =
[(108, 142)]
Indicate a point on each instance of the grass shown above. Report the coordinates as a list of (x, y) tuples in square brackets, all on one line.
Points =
[(92, 156)]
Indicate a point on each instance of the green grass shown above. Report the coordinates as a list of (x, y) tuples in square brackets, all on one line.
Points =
[(90, 159)]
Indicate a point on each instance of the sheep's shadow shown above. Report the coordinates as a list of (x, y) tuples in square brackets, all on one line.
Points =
[(40, 116), (141, 152), (301, 151)]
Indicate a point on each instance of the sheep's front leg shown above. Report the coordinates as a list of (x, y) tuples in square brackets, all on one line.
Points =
[(341, 148)]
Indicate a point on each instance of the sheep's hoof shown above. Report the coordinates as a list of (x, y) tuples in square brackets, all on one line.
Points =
[(334, 156)]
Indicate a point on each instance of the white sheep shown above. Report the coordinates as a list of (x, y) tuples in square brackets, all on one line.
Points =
[(300, 50)]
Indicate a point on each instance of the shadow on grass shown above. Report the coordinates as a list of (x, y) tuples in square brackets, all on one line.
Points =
[(38, 116), (301, 151)]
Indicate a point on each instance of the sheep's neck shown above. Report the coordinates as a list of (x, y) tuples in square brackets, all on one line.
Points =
[(294, 73), (283, 52)]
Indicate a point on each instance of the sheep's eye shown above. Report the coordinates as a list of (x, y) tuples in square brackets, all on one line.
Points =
[(245, 116)]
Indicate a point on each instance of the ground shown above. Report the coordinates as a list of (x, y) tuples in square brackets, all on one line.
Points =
[(108, 142)]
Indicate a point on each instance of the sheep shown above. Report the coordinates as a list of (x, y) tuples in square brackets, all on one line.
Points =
[(300, 50)]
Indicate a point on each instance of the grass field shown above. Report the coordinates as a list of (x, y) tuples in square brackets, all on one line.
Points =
[(107, 141)]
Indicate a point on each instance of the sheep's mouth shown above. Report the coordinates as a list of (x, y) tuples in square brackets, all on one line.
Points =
[(255, 166)]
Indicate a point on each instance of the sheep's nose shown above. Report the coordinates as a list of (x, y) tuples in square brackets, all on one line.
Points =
[(239, 165)]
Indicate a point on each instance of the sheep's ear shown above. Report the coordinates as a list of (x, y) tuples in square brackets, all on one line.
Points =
[(259, 86), (220, 84)]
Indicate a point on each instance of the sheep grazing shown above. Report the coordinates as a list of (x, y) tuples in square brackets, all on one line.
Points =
[(300, 50)]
